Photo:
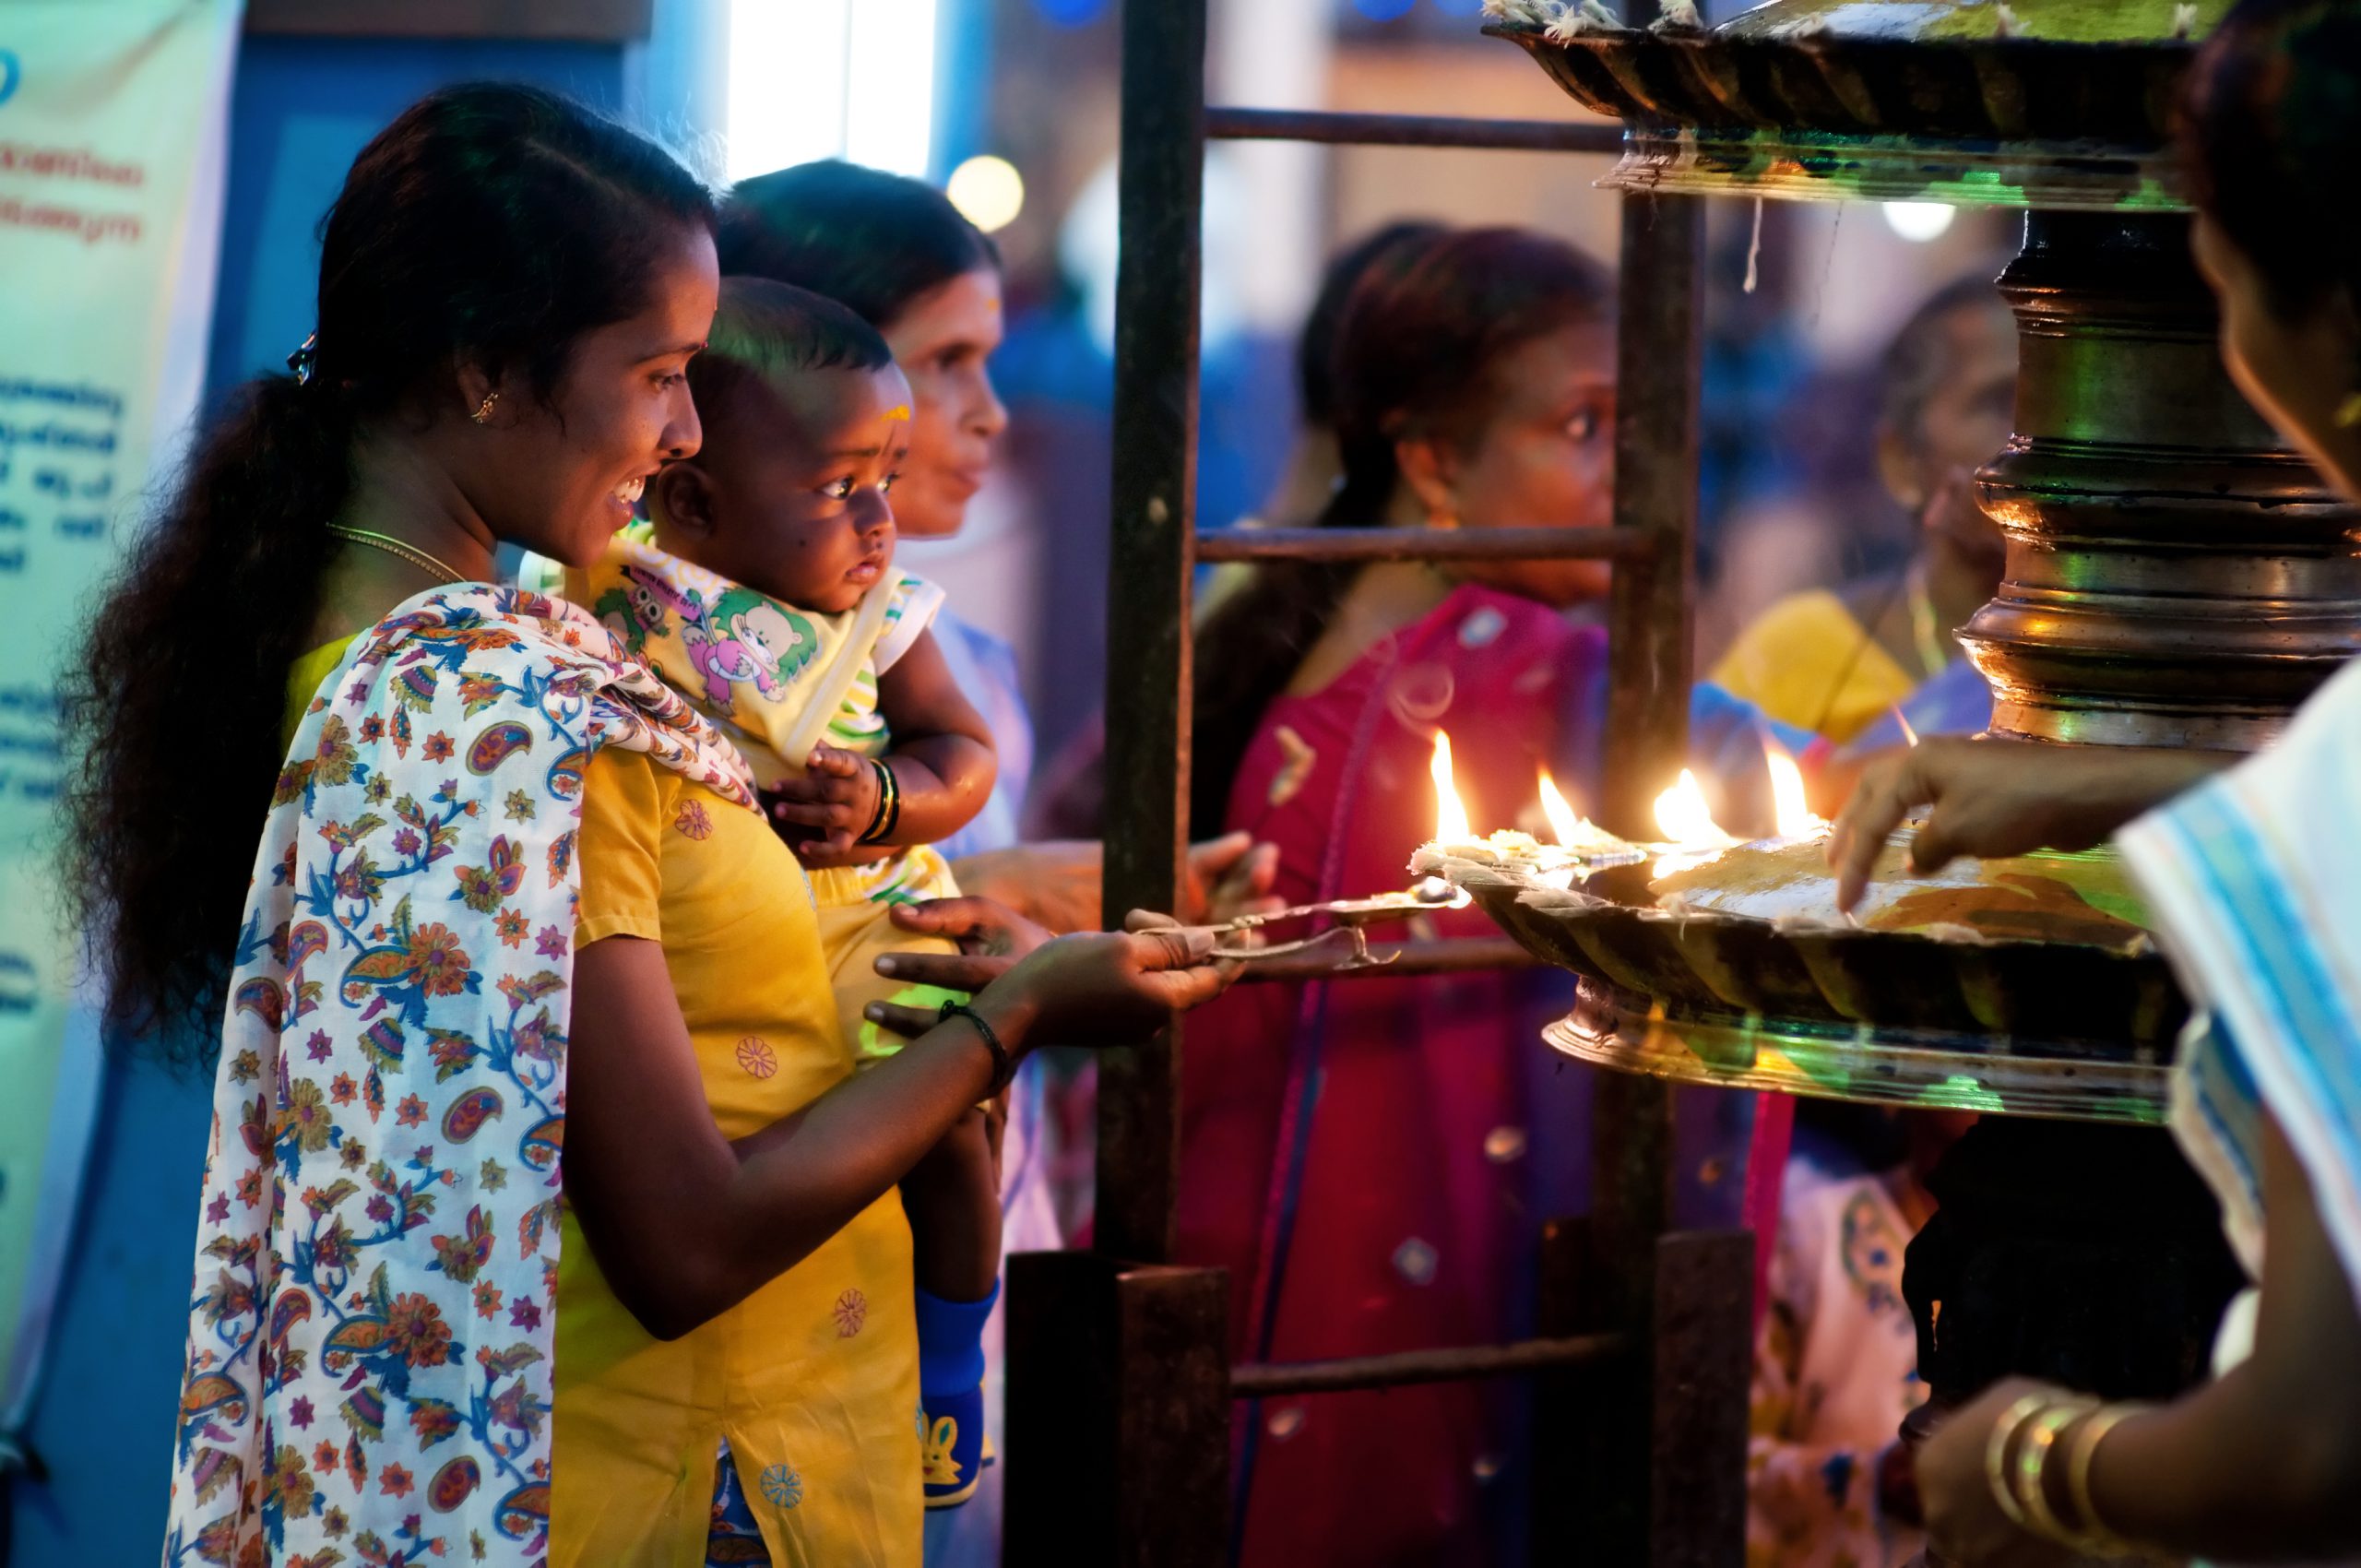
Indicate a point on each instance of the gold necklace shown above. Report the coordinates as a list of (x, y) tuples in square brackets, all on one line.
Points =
[(393, 546)]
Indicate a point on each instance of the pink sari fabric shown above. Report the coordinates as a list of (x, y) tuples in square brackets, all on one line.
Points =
[(1413, 1216)]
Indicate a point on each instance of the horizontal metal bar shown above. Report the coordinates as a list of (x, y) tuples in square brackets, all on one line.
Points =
[(1262, 1380), (1423, 544), (1413, 130), (1444, 956)]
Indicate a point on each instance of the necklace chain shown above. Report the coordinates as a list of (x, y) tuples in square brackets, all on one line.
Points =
[(1923, 629), (393, 546)]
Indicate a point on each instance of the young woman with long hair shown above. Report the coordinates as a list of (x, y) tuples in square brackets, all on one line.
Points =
[(513, 932), (1371, 1160)]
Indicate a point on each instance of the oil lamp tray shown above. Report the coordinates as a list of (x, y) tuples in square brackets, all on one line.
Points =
[(1924, 1068), (2032, 103), (1811, 1006)]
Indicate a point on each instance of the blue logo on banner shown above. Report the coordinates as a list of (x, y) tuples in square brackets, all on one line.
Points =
[(11, 72)]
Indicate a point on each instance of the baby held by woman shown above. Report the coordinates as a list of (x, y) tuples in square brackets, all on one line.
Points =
[(764, 588)]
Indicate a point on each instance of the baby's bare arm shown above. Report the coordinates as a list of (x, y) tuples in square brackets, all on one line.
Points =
[(942, 759)]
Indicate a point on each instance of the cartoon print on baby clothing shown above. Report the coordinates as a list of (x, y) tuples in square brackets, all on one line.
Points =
[(751, 636), (634, 611)]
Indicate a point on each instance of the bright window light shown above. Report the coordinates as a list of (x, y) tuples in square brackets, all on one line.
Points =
[(1919, 220), (988, 191), (831, 79)]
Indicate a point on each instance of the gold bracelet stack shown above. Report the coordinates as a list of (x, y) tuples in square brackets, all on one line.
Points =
[(2016, 1466)]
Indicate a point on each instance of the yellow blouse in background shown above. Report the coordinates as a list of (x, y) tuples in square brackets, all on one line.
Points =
[(1807, 662)]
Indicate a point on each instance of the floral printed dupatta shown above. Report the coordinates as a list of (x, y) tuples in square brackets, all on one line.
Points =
[(370, 1333)]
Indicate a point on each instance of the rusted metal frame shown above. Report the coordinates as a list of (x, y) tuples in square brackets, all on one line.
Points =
[(1157, 305), (1118, 1413), (1423, 544), (1439, 956), (1226, 124), (1702, 1367), (1657, 374), (1267, 1379)]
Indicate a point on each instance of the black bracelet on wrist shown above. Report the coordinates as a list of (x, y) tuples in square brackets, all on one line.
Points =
[(888, 816), (1004, 1064)]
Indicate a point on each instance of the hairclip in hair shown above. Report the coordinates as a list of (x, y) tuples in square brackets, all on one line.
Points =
[(304, 360)]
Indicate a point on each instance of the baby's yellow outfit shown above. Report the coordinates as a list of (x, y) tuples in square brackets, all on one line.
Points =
[(780, 681)]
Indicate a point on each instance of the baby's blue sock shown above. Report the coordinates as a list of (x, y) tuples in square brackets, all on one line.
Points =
[(951, 1343)]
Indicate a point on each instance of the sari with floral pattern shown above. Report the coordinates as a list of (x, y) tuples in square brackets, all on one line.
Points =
[(368, 1379)]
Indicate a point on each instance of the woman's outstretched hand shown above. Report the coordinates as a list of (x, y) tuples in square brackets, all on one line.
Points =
[(1992, 798), (1056, 880), (1095, 987)]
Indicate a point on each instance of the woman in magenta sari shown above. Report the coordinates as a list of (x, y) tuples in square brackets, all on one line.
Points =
[(1371, 1160)]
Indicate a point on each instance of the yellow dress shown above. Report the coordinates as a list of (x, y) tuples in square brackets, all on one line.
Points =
[(1809, 661), (813, 1378)]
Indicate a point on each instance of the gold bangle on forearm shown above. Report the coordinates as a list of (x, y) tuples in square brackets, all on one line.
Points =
[(1996, 1451), (2094, 1536), (2032, 1465)]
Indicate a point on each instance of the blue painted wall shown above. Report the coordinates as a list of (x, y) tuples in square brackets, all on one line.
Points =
[(103, 1428)]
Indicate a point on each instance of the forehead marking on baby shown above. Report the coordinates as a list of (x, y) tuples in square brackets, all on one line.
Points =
[(899, 411)]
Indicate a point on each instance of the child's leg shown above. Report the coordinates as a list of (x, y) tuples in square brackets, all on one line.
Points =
[(952, 1200), (952, 1197)]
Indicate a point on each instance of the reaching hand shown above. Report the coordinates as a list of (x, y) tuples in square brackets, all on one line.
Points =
[(1993, 798), (1057, 881), (835, 800), (1053, 883), (1229, 877), (1092, 989)]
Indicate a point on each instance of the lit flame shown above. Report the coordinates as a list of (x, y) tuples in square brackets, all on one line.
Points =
[(1795, 817), (1683, 817), (1451, 816), (1564, 825), (1688, 825)]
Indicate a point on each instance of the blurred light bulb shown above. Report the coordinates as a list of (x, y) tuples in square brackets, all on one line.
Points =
[(988, 191), (1919, 220)]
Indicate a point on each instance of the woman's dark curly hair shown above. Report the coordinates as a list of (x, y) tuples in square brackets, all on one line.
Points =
[(490, 224), (2270, 122), (871, 241)]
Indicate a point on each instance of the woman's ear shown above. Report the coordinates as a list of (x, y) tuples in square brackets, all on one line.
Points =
[(1898, 470), (1428, 469), (482, 392), (680, 497)]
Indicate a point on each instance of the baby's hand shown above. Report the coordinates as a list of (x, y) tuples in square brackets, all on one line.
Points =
[(834, 803)]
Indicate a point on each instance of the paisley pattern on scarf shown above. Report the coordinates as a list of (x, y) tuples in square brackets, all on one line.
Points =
[(372, 1323)]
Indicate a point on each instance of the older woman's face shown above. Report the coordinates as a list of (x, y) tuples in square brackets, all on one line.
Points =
[(942, 341), (1544, 457), (562, 479), (2298, 373)]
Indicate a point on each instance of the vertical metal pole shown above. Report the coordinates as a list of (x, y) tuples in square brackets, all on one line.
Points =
[(1148, 592), (1657, 369)]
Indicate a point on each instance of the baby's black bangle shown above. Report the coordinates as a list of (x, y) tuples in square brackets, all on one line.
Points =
[(888, 814), (1004, 1065)]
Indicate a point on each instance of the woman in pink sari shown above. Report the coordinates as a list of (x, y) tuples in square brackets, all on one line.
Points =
[(1371, 1160)]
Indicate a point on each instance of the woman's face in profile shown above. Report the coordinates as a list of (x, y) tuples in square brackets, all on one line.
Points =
[(562, 479), (1544, 457), (2295, 372), (943, 344)]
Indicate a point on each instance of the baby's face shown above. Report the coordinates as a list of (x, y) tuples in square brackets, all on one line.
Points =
[(800, 476)]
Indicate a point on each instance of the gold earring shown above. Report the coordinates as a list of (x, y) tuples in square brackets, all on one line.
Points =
[(483, 409), (2348, 413)]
